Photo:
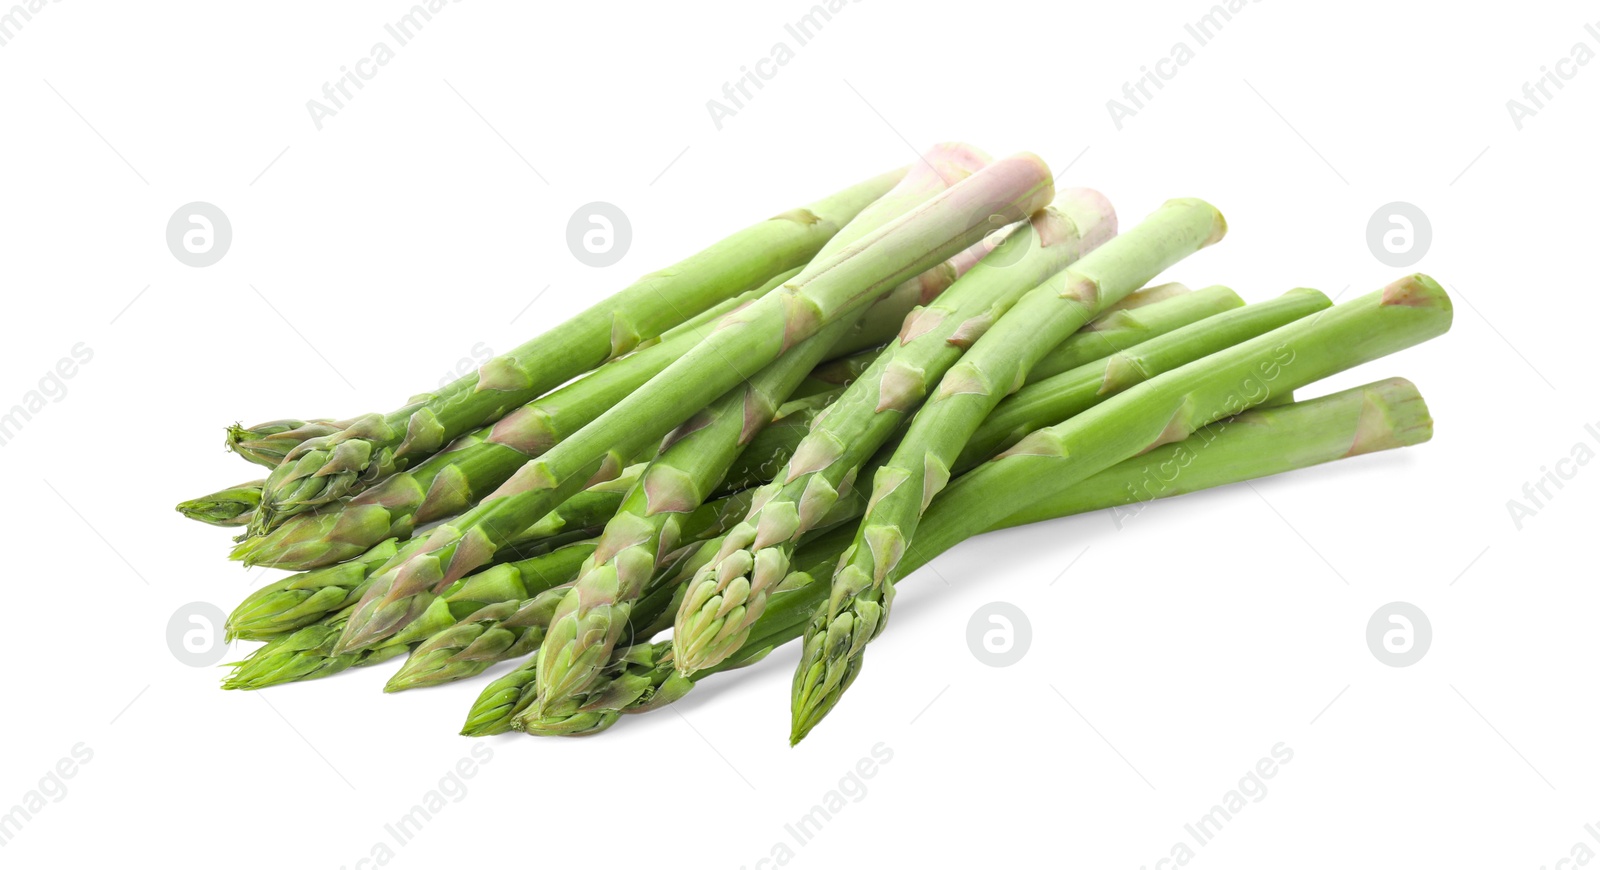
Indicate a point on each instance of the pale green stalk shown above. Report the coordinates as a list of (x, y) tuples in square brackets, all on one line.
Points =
[(1076, 390), (1140, 317)]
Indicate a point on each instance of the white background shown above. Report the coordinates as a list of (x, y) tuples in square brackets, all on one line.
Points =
[(370, 256)]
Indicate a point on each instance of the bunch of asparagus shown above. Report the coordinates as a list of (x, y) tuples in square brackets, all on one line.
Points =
[(754, 446)]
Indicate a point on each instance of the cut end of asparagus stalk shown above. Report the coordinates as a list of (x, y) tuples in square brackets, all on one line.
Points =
[(1417, 291), (1393, 414), (951, 162), (1219, 224), (1089, 214)]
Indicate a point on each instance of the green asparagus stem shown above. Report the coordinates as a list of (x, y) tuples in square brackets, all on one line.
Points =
[(232, 506), (839, 373), (729, 593), (1077, 390), (1261, 442), (1139, 318), (325, 469), (592, 617), (1115, 330), (744, 342), (1257, 443), (307, 654), (1163, 409)]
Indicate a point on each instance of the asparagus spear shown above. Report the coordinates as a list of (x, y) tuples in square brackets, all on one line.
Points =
[(1076, 390), (491, 634), (1384, 415), (1257, 443), (1140, 317), (594, 614), (1163, 409), (747, 340), (1037, 314), (730, 591), (307, 654), (231, 506), (325, 469)]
